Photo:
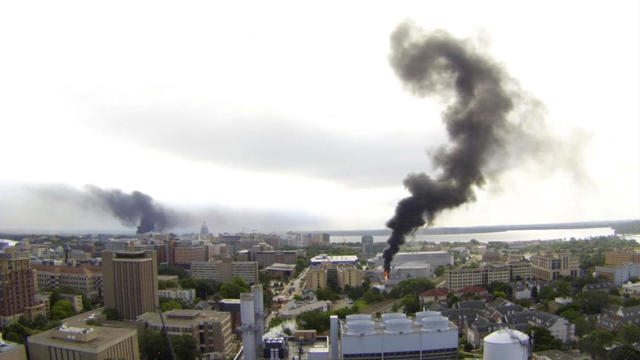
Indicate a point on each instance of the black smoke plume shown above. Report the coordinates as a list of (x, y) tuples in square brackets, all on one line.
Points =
[(481, 133), (133, 209)]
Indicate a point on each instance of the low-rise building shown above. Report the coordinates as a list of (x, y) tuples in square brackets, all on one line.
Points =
[(186, 295), (631, 289), (86, 343), (619, 274), (211, 330), (83, 278), (435, 295)]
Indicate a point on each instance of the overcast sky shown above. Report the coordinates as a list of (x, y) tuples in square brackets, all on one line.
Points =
[(283, 115)]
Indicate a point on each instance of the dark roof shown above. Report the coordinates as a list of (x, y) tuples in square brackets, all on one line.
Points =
[(472, 304)]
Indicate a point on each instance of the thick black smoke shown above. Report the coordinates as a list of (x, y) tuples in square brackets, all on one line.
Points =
[(481, 133), (133, 209)]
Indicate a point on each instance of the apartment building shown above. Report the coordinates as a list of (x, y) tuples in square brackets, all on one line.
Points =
[(621, 257), (84, 278), (552, 266), (487, 274), (86, 343), (130, 282), (211, 330), (17, 289), (224, 270), (341, 275)]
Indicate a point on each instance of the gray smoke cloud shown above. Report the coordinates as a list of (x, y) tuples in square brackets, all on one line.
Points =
[(134, 209), (491, 124)]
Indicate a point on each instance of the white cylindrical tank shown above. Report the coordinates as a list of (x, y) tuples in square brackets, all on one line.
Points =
[(398, 326), (361, 327), (424, 314), (506, 344), (357, 317), (438, 322), (388, 316)]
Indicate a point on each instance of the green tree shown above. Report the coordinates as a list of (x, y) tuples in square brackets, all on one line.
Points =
[(16, 332), (629, 333), (411, 304), (313, 320), (275, 321), (592, 302), (112, 314), (411, 286), (499, 294), (184, 346), (624, 352), (595, 342), (170, 305), (542, 339), (534, 292), (62, 310), (233, 289)]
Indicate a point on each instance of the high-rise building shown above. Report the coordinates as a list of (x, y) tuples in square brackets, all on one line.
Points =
[(367, 244), (17, 289), (552, 266), (130, 282)]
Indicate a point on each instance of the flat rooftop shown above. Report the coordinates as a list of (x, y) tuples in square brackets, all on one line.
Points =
[(184, 317), (104, 337)]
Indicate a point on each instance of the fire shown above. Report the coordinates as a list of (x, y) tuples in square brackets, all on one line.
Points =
[(386, 276)]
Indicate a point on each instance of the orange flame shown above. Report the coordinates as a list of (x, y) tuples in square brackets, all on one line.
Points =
[(386, 276)]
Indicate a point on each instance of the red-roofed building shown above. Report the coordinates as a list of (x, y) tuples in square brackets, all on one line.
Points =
[(437, 294), (473, 291)]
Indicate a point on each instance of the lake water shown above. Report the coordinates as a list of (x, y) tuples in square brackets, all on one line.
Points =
[(507, 236)]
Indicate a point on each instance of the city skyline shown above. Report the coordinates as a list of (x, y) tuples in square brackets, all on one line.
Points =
[(298, 122)]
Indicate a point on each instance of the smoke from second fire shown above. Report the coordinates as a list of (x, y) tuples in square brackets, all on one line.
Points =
[(477, 121), (134, 209)]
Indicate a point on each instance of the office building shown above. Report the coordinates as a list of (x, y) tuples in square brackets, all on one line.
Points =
[(266, 258), (552, 266), (622, 257), (17, 289), (130, 282), (211, 330), (225, 270), (86, 279), (429, 336), (281, 271), (619, 274), (85, 343)]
